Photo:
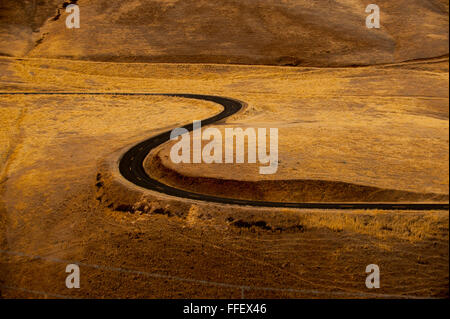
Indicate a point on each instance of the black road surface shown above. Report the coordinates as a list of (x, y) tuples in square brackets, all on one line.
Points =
[(131, 164)]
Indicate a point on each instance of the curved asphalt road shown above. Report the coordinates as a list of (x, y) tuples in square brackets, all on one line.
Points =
[(131, 164)]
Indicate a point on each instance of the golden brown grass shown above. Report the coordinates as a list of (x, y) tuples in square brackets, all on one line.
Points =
[(325, 115)]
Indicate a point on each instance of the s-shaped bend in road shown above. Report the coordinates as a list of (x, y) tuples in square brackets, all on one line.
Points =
[(131, 163)]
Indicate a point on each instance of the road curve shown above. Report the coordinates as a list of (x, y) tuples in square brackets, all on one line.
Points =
[(131, 163)]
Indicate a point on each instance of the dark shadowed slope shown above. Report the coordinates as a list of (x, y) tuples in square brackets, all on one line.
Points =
[(288, 32)]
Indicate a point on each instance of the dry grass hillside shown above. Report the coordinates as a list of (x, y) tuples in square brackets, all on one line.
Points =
[(363, 116), (53, 205), (287, 32)]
